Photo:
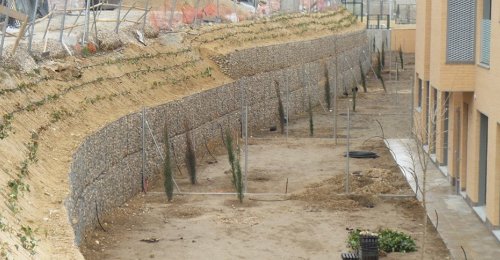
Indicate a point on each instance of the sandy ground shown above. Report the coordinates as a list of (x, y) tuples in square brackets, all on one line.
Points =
[(311, 221)]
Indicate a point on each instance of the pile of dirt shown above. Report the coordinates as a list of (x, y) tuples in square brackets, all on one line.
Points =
[(378, 181), (364, 186)]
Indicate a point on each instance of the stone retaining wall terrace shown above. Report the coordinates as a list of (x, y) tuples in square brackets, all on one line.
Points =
[(106, 170)]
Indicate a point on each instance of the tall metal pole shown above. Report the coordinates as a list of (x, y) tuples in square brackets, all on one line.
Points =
[(195, 18), (143, 172), (4, 29), (235, 12), (86, 24), (412, 104), (63, 20), (287, 106), (48, 22), (30, 42), (390, 11), (172, 10), (118, 15), (218, 13), (145, 17), (347, 190), (335, 105), (246, 147)]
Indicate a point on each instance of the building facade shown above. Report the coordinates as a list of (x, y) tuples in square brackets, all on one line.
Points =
[(457, 115)]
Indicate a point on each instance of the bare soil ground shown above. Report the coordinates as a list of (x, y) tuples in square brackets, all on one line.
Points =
[(311, 221)]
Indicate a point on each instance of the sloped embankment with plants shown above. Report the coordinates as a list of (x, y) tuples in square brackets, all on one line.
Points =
[(53, 116)]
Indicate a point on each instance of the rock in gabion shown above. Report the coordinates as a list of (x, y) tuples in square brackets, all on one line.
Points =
[(21, 61), (149, 31), (54, 50)]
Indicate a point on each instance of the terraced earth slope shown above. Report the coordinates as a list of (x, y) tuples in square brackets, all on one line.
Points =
[(48, 111)]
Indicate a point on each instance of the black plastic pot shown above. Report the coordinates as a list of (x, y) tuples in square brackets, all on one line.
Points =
[(368, 248)]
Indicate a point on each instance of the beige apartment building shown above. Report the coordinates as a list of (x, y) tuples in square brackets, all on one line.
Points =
[(457, 97)]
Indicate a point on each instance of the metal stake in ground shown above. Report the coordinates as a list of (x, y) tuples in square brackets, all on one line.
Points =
[(246, 147), (287, 106), (86, 24), (160, 151), (118, 17), (235, 12), (48, 22), (218, 13), (32, 31), (170, 19), (145, 16), (4, 29), (347, 191), (63, 20), (412, 87), (195, 18), (143, 148)]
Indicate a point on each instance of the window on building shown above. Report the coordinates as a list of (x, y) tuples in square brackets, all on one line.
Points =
[(487, 9), (486, 32), (461, 31)]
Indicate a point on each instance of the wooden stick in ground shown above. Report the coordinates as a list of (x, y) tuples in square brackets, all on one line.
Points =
[(96, 16), (128, 11), (24, 23), (73, 26), (48, 22), (142, 16)]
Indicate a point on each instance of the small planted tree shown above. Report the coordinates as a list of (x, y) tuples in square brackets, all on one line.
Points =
[(311, 120), (190, 156), (234, 162), (378, 71), (382, 55), (167, 170), (401, 58), (328, 98), (363, 76), (281, 110)]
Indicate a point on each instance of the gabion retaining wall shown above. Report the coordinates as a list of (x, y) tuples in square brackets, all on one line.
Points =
[(106, 170)]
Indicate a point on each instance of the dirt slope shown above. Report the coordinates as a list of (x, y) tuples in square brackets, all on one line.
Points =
[(48, 112)]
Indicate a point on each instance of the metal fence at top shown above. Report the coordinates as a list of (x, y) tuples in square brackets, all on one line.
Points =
[(379, 14), (69, 23), (405, 14), (400, 11), (356, 7), (378, 7)]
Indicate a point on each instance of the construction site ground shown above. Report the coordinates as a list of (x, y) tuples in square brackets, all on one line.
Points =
[(56, 103), (311, 221)]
